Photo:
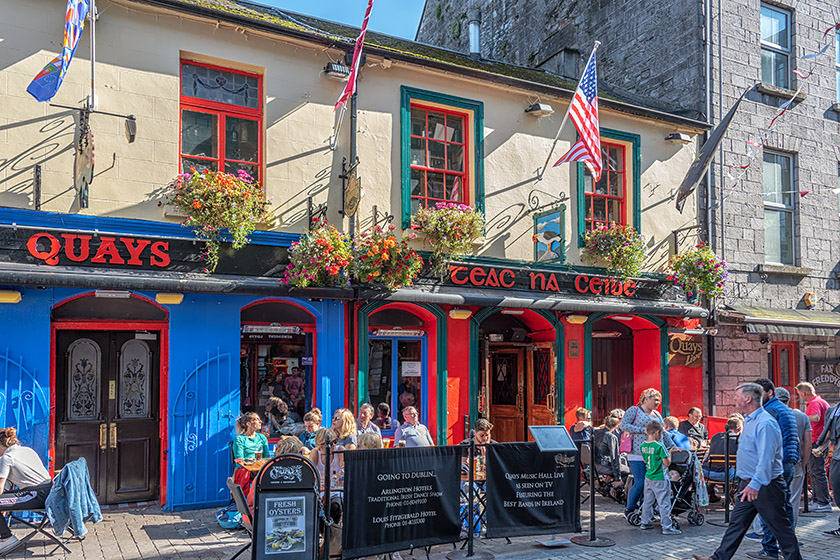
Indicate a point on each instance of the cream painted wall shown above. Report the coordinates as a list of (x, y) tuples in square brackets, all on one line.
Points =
[(138, 53)]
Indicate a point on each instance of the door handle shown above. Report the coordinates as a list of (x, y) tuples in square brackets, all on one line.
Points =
[(519, 401), (113, 437), (103, 436)]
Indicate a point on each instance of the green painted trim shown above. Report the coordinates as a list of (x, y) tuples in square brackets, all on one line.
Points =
[(636, 153), (562, 211), (664, 369), (407, 94)]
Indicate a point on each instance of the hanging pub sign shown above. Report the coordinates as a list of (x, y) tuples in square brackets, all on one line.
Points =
[(825, 376), (685, 350), (549, 280), (50, 248), (531, 492), (400, 498)]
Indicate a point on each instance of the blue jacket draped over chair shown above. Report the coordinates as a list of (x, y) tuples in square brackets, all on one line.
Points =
[(72, 500)]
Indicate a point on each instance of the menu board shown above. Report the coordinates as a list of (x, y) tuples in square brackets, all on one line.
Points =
[(825, 375)]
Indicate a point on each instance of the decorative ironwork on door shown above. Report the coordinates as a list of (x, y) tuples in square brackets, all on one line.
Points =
[(505, 379), (542, 375), (135, 358), (84, 371)]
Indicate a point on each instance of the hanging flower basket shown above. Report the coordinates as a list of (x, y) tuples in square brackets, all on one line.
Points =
[(620, 249), (379, 258), (450, 229), (320, 258), (699, 271), (213, 202)]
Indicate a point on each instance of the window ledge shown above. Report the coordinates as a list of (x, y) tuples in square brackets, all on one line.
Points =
[(836, 107), (784, 270), (777, 91)]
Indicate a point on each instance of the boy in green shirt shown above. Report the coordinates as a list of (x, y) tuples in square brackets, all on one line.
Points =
[(657, 485)]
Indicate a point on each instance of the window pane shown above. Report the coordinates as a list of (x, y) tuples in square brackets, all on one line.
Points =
[(615, 184), (774, 27), (784, 366), (614, 211), (615, 161), (435, 185), (198, 164), (408, 389), (418, 122), (219, 85), (454, 157), (233, 167), (437, 155), (437, 128), (587, 183), (601, 185), (778, 236), (774, 68), (418, 152), (379, 372), (600, 205), (453, 188), (417, 182), (456, 128), (241, 139), (777, 179), (199, 134)]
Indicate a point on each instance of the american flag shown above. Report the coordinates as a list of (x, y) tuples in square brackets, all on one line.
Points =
[(350, 88), (584, 114)]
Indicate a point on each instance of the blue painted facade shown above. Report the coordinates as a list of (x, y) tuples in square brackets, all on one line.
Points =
[(203, 390)]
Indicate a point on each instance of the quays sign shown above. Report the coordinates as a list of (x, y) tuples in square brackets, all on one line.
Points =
[(128, 251)]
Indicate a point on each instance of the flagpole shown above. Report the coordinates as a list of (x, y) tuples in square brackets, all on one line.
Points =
[(92, 98), (541, 172)]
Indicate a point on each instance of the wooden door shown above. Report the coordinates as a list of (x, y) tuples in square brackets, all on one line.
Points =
[(540, 395), (506, 394), (107, 410), (784, 368), (612, 375)]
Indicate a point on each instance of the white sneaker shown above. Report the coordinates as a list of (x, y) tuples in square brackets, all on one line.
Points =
[(820, 508), (8, 544)]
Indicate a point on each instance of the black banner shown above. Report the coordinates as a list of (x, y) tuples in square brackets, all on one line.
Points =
[(400, 498), (531, 492)]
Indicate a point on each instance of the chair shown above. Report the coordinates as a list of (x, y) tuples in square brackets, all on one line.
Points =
[(242, 507), (37, 527), (720, 462)]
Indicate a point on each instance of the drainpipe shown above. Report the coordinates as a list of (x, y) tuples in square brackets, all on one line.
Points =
[(354, 103), (474, 22)]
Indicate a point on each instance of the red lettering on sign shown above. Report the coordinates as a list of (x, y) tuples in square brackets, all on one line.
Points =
[(534, 276), (453, 272), (108, 248), (50, 257), (135, 250), (84, 247), (595, 283), (160, 253), (585, 287), (617, 288), (477, 276), (504, 273), (630, 288), (552, 283), (492, 279)]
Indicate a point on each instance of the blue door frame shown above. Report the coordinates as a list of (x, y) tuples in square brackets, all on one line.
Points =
[(424, 377)]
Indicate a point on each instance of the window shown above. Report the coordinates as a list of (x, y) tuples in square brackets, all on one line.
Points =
[(605, 200), (778, 209), (221, 119), (775, 46), (550, 235), (438, 153), (442, 148)]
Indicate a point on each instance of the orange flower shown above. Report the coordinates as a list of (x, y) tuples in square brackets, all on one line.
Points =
[(196, 204)]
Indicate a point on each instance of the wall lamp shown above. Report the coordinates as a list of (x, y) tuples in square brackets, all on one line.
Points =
[(577, 319), (678, 138), (169, 299), (9, 296), (539, 110), (337, 71), (460, 313)]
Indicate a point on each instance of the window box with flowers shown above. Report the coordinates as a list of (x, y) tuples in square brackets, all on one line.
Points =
[(618, 248), (219, 207), (320, 258), (450, 229), (699, 272), (379, 258)]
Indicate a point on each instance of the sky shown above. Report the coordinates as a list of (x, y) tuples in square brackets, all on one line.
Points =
[(393, 17)]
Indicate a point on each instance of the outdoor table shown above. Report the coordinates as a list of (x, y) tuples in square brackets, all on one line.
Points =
[(252, 465)]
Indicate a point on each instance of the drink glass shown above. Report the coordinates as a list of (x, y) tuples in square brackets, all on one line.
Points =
[(258, 454), (401, 443)]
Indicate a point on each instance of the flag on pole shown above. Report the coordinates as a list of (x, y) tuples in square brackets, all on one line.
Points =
[(584, 114), (45, 85), (350, 87)]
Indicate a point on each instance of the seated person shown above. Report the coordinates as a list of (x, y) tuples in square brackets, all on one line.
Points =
[(718, 447), (680, 439), (286, 445), (383, 416), (22, 467), (279, 423), (412, 433), (311, 424), (364, 423), (605, 448), (250, 444), (370, 440), (481, 435), (694, 429), (582, 430)]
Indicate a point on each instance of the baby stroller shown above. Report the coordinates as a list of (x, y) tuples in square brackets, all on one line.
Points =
[(683, 492)]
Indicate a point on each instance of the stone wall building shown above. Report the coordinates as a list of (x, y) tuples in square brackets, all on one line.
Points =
[(775, 222)]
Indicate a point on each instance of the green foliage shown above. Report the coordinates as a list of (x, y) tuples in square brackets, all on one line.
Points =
[(699, 271), (320, 258), (215, 201), (456, 29), (439, 12), (620, 249), (378, 258), (450, 229)]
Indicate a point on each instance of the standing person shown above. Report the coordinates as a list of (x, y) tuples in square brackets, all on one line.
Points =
[(657, 485), (803, 431), (412, 432), (695, 429), (761, 488), (634, 422), (23, 468), (364, 425), (816, 410), (790, 456), (831, 436)]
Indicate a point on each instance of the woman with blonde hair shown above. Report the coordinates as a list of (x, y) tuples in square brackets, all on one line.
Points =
[(633, 422), (323, 438), (344, 426)]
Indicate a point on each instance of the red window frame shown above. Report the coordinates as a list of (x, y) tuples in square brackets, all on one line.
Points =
[(589, 209), (222, 111), (464, 175), (776, 363)]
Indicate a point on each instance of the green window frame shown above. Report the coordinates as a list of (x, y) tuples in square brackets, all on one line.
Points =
[(409, 94), (561, 250), (635, 142)]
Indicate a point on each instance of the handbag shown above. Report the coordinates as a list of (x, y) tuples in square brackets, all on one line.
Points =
[(625, 444)]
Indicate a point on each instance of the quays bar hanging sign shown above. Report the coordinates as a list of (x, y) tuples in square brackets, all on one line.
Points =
[(545, 280)]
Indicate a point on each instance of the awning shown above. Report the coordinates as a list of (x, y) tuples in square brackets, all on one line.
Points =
[(528, 300), (785, 321)]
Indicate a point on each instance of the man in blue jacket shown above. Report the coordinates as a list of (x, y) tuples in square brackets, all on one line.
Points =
[(790, 457)]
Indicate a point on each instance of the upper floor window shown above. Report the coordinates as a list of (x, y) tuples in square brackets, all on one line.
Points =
[(779, 208), (438, 157), (775, 46), (606, 199), (221, 119)]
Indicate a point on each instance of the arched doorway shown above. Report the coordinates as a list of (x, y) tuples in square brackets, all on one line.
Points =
[(278, 357), (109, 374)]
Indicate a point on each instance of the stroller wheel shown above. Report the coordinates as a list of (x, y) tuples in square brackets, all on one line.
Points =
[(699, 519), (635, 518), (690, 518)]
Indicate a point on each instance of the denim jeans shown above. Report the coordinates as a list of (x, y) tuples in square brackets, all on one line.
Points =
[(769, 545), (635, 496)]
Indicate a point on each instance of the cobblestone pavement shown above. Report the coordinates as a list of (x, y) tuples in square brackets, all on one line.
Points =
[(152, 533)]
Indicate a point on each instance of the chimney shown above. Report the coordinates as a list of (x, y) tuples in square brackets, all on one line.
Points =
[(474, 22)]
